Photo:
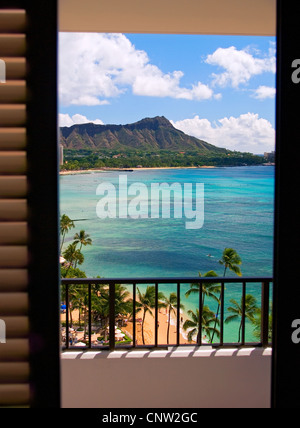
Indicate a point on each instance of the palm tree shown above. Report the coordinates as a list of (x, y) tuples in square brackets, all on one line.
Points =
[(66, 224), (192, 324), (82, 238), (147, 303), (73, 297), (101, 304), (231, 260), (171, 304), (73, 256), (80, 302), (257, 325), (208, 289), (72, 293), (236, 310)]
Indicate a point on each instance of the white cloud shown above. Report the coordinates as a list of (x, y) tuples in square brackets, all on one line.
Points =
[(264, 92), (246, 133), (240, 65), (154, 83), (88, 100), (96, 67), (76, 119)]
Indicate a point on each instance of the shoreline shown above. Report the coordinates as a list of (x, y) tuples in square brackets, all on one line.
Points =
[(91, 171), (149, 329), (163, 321), (102, 170)]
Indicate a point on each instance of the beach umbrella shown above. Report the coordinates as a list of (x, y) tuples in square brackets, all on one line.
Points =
[(62, 260), (116, 328), (120, 335)]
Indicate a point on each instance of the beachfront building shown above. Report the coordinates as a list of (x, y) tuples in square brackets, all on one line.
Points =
[(33, 371), (61, 154)]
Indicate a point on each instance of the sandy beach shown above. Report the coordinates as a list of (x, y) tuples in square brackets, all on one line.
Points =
[(149, 329), (90, 171)]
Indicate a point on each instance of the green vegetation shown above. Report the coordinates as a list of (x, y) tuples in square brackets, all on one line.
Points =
[(251, 310), (86, 159), (66, 224), (231, 260), (192, 324)]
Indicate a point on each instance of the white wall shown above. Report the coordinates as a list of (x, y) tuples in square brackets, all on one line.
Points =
[(182, 378)]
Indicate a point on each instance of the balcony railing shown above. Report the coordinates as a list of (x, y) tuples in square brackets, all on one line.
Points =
[(93, 290)]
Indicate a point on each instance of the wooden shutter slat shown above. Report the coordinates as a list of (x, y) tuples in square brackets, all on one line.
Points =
[(13, 280), (12, 21), (13, 233), (15, 68), (13, 210), (14, 372), (12, 45), (13, 256), (13, 91), (14, 304), (13, 187), (17, 327), (15, 350), (14, 395), (12, 115), (13, 139), (13, 163)]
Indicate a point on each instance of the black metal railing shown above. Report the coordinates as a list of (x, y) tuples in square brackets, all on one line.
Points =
[(260, 285)]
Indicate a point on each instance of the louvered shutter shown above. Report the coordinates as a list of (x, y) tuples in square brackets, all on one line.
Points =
[(14, 354)]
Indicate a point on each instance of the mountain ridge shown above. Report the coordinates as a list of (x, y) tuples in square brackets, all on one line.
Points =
[(148, 134)]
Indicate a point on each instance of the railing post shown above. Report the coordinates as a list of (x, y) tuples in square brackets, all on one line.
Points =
[(156, 315), (244, 314), (67, 316), (222, 314), (178, 315), (90, 316), (265, 296), (200, 313), (134, 315), (112, 316)]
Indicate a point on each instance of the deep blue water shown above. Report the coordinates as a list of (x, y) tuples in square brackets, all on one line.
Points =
[(239, 204)]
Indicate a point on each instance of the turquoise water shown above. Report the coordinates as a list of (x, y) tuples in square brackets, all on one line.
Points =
[(239, 213)]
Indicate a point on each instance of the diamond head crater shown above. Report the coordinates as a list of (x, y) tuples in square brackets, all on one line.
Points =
[(148, 143)]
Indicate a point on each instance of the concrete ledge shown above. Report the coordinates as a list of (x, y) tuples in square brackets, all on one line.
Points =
[(175, 378), (171, 353)]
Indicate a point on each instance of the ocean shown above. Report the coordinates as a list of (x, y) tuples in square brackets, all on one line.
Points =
[(238, 213)]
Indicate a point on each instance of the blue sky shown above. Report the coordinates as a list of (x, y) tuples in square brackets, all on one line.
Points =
[(218, 88)]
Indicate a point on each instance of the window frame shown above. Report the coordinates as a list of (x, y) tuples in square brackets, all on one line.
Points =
[(44, 207)]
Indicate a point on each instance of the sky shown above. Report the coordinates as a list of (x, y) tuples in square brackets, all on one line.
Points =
[(220, 89)]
